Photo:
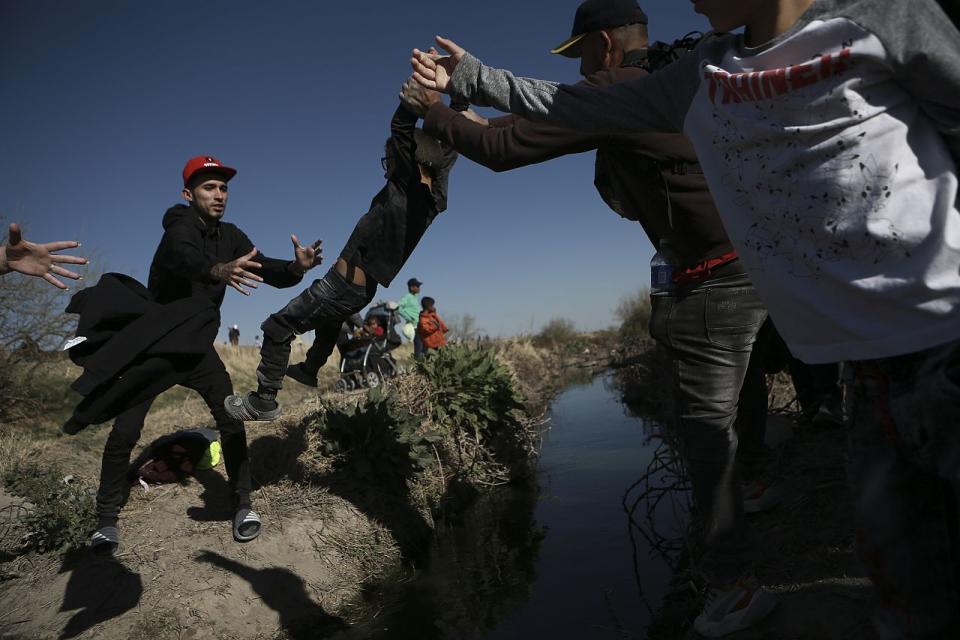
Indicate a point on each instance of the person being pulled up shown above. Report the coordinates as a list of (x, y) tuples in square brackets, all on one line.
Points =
[(416, 168)]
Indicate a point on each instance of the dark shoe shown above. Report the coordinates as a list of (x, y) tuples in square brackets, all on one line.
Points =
[(246, 525), (299, 373), (244, 408), (72, 427)]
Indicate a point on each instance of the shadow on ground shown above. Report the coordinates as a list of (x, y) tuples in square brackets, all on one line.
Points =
[(99, 589), (286, 593)]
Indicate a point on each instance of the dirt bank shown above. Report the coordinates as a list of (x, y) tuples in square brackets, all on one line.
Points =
[(334, 531)]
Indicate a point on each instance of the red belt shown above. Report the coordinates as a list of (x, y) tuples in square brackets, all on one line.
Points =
[(702, 270)]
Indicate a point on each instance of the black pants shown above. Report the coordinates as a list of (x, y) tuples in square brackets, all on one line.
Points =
[(321, 308), (211, 380)]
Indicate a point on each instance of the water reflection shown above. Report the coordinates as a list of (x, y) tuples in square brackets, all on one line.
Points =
[(479, 568), (586, 554)]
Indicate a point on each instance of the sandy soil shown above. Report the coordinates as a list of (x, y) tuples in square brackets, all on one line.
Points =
[(179, 573)]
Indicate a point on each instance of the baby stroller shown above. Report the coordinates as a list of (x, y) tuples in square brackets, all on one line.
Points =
[(366, 361)]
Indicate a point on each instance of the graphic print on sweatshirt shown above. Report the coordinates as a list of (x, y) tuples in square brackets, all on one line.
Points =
[(814, 182)]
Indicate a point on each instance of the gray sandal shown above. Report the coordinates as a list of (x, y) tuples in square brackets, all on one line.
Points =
[(246, 525), (239, 407), (105, 540)]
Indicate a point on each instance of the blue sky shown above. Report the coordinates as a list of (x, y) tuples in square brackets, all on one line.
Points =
[(103, 102)]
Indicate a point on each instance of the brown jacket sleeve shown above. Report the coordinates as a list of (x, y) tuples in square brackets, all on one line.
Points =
[(510, 142)]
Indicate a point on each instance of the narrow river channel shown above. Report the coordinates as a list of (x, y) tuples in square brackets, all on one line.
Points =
[(558, 560)]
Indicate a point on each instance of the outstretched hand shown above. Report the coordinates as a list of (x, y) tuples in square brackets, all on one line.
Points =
[(433, 71), (307, 257), (416, 97), (40, 260), (235, 273)]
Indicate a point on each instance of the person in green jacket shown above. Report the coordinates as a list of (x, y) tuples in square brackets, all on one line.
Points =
[(409, 310)]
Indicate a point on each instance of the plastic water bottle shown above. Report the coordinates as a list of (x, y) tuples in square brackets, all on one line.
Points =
[(661, 269)]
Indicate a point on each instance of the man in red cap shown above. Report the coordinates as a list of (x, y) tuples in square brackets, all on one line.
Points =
[(200, 255)]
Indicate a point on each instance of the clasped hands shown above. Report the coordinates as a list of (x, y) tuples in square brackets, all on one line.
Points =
[(431, 75)]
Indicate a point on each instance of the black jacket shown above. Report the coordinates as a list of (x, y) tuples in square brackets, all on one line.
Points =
[(122, 324), (399, 215), (190, 247), (135, 348)]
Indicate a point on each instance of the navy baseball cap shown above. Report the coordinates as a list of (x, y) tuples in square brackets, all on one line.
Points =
[(594, 15)]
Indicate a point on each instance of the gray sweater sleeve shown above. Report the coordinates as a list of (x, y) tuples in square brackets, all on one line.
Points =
[(923, 45), (925, 48), (658, 102)]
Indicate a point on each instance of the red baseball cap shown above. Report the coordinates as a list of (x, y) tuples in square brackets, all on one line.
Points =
[(206, 163)]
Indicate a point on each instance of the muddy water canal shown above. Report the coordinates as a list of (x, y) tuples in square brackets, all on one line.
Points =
[(561, 559)]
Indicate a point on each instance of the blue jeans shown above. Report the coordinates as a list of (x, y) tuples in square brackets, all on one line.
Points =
[(709, 331), (321, 308), (905, 469)]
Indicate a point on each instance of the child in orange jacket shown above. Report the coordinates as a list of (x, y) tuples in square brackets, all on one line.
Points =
[(431, 328)]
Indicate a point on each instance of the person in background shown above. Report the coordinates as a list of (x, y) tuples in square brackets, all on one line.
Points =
[(430, 327), (409, 310), (38, 260), (234, 336)]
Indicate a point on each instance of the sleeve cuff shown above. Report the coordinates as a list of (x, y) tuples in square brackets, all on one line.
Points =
[(463, 83)]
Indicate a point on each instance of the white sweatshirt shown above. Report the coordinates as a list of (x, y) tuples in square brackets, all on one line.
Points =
[(830, 152)]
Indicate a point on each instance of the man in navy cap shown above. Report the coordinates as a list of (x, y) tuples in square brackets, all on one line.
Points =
[(709, 316)]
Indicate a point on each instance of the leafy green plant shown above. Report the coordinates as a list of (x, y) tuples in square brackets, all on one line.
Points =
[(61, 513), (472, 390), (377, 442)]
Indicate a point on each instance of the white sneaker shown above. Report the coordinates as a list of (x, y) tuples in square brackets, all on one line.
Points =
[(759, 497), (727, 610)]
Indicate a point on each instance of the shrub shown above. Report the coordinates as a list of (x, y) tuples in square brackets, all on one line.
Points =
[(472, 390), (61, 513), (559, 333), (376, 442), (634, 315)]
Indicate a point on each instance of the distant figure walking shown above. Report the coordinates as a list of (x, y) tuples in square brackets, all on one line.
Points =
[(234, 336)]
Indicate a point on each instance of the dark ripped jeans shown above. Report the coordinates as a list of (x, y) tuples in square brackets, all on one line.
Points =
[(211, 380), (905, 467), (709, 331), (321, 308)]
